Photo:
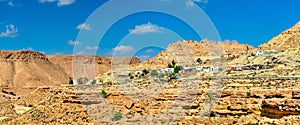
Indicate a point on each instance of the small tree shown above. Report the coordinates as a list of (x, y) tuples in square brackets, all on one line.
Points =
[(173, 63), (199, 60), (170, 66)]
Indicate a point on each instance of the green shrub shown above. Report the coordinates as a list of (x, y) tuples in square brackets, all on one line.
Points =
[(117, 116), (94, 81), (199, 60), (103, 94), (131, 77), (248, 93), (177, 69), (145, 71)]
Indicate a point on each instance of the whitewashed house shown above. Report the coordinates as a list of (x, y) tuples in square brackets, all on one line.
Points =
[(168, 70), (209, 68), (258, 53)]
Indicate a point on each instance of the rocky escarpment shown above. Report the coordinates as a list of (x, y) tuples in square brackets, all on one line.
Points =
[(24, 56)]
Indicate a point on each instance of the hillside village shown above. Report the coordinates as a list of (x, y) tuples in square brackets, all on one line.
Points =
[(188, 83)]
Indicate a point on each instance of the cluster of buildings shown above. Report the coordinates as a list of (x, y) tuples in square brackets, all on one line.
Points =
[(267, 53)]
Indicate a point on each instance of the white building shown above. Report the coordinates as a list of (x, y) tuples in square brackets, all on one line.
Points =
[(168, 70), (258, 53), (208, 68)]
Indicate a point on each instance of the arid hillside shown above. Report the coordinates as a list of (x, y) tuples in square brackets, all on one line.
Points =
[(21, 71), (281, 50), (89, 65), (289, 38)]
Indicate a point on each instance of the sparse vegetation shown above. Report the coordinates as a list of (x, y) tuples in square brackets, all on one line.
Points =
[(117, 116), (248, 94), (199, 60), (103, 94), (177, 69), (153, 73), (145, 71), (161, 75)]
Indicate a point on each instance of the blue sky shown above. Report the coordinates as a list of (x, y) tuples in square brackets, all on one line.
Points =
[(52, 26)]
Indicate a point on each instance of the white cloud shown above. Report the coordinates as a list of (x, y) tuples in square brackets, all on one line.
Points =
[(92, 47), (10, 3), (71, 42), (11, 31), (123, 49), (65, 2), (191, 3), (201, 1), (150, 51), (84, 26), (146, 28), (59, 2), (49, 1)]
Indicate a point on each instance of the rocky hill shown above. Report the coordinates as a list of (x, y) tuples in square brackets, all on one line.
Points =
[(22, 71), (286, 45), (89, 65), (186, 52), (289, 38)]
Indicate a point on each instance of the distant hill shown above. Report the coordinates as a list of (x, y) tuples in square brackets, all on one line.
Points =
[(89, 65), (21, 71), (187, 52)]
